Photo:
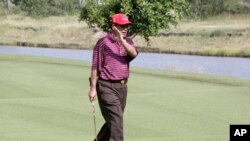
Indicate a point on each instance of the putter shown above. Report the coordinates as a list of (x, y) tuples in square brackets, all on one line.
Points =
[(93, 105)]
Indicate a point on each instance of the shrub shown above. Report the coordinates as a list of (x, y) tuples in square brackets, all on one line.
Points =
[(217, 33), (3, 12), (204, 8), (43, 8)]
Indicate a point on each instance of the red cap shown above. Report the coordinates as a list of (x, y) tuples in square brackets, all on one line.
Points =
[(120, 19)]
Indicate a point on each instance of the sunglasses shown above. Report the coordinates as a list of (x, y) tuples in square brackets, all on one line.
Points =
[(122, 26)]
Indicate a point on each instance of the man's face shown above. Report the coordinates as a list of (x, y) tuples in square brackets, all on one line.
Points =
[(123, 29)]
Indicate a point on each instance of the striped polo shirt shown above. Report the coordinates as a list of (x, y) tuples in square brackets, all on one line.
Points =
[(110, 59)]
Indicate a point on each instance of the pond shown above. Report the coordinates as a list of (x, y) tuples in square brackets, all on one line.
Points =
[(223, 66)]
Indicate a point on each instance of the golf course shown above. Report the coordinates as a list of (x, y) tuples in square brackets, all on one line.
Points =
[(45, 99)]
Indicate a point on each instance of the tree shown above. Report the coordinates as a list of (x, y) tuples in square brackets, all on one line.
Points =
[(148, 16)]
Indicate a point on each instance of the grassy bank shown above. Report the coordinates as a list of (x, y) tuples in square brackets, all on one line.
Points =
[(225, 35), (217, 36), (46, 99)]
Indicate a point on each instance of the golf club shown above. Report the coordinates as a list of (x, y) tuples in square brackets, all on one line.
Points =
[(93, 105)]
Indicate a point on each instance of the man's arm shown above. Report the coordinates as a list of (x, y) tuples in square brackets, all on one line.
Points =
[(129, 48), (131, 51), (93, 81), (94, 76)]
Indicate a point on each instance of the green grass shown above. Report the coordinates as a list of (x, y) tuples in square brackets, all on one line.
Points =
[(45, 99)]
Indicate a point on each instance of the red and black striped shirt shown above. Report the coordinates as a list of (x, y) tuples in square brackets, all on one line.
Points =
[(110, 59)]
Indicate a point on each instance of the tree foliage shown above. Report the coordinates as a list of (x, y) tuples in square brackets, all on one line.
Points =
[(148, 16)]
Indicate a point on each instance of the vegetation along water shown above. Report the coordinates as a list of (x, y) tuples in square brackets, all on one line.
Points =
[(214, 29)]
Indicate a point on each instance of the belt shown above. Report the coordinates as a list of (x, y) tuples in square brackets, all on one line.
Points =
[(122, 81)]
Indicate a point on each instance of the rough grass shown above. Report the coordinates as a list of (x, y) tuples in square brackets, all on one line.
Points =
[(46, 99), (225, 35), (46, 32)]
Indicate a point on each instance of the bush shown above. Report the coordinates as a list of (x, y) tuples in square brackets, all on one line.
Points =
[(3, 12), (44, 8), (205, 8), (34, 7), (238, 8), (217, 33), (64, 7)]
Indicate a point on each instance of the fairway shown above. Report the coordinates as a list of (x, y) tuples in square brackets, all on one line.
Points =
[(45, 99)]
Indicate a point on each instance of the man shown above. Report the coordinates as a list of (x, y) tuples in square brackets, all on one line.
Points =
[(109, 75)]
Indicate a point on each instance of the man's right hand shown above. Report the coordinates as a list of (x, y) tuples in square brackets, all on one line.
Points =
[(92, 83), (92, 94)]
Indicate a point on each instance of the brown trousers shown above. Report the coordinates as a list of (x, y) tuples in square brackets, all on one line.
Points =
[(112, 100)]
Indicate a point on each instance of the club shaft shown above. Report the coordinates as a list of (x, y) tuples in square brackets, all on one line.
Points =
[(93, 105)]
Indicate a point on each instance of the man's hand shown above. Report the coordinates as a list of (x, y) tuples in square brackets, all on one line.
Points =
[(119, 34), (92, 94), (92, 84)]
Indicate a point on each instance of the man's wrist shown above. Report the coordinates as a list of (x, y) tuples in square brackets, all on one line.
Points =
[(123, 41), (92, 89)]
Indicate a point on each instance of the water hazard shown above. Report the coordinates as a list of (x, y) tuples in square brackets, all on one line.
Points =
[(223, 66)]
